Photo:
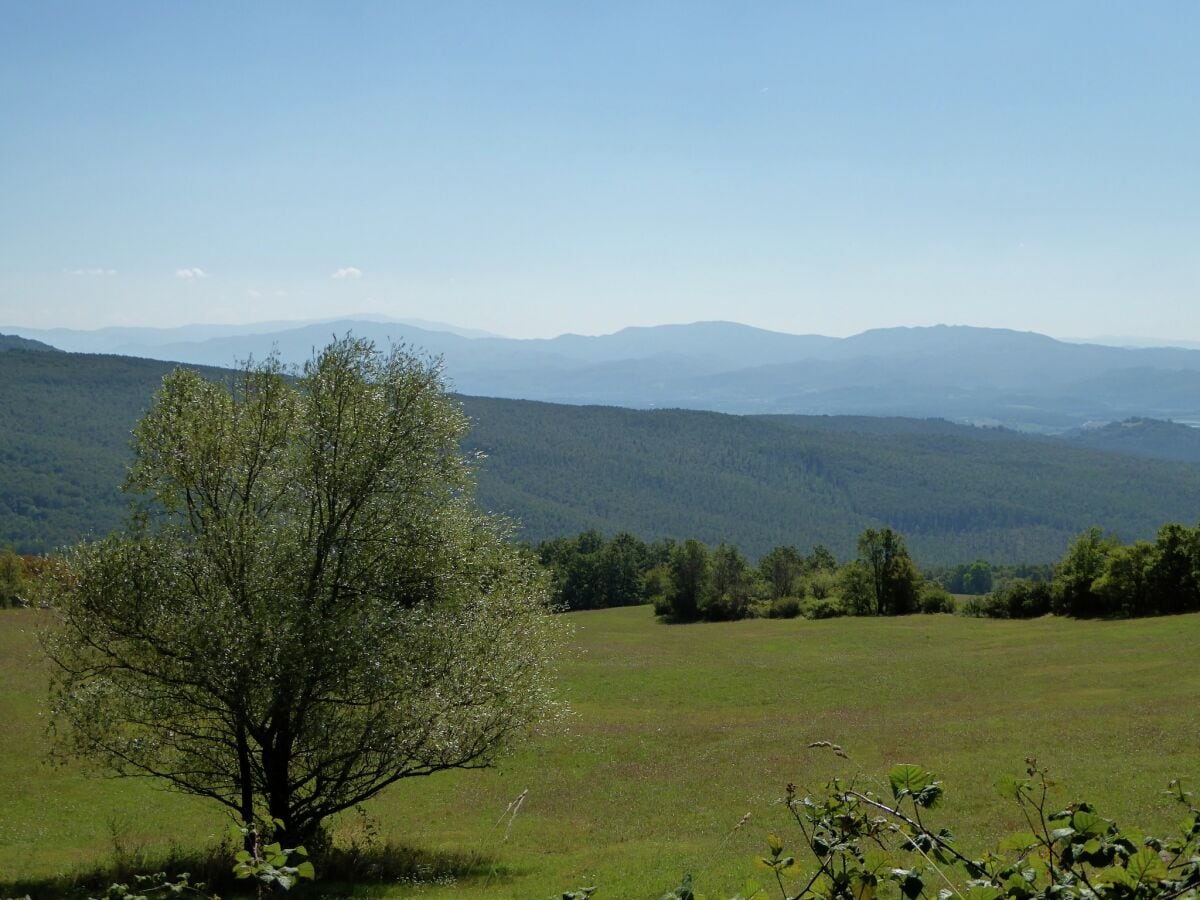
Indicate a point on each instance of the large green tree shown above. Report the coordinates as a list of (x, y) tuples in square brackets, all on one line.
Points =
[(892, 579), (306, 606)]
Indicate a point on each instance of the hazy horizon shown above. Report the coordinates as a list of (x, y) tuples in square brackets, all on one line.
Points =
[(1133, 341)]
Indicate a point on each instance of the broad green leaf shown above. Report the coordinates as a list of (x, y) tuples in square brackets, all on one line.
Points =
[(774, 842), (1146, 867), (1011, 787), (929, 795), (1089, 823), (908, 778), (1018, 842), (1114, 875)]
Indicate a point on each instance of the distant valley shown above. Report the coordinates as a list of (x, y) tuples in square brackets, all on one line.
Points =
[(975, 375)]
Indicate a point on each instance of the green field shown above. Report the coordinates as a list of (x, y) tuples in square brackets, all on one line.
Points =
[(678, 731)]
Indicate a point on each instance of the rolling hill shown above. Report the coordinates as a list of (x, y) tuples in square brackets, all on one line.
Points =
[(957, 492)]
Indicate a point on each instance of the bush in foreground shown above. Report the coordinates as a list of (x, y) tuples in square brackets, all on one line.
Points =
[(856, 840)]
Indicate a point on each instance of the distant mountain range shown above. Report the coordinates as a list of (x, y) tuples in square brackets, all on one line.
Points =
[(978, 375), (957, 492)]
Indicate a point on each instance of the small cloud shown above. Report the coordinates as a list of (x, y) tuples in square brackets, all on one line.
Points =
[(347, 272), (253, 293), (281, 293), (92, 272), (191, 274)]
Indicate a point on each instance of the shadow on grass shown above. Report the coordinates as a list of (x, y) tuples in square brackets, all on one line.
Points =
[(342, 872)]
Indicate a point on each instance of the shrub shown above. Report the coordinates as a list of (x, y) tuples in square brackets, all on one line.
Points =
[(822, 583), (858, 838), (934, 598), (12, 581), (784, 608), (827, 608)]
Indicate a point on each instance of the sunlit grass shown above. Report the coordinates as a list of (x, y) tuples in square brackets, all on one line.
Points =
[(680, 730)]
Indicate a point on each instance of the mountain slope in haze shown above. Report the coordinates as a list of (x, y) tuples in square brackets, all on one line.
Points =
[(982, 375), (957, 492), (1150, 438), (149, 342), (15, 342)]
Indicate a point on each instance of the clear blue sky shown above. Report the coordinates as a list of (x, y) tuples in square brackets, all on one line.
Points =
[(534, 168)]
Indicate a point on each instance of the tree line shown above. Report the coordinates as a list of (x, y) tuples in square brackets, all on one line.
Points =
[(688, 580), (1099, 577)]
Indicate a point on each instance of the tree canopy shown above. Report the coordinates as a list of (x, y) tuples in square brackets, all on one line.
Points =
[(305, 605)]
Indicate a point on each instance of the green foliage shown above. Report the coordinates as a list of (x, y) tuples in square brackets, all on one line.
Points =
[(12, 579), (305, 606), (958, 493), (824, 608), (1100, 577), (782, 571), (1077, 573), (730, 581), (892, 580), (822, 583), (856, 844), (65, 443), (590, 572), (785, 608), (271, 865), (933, 598), (156, 884), (977, 577), (689, 567)]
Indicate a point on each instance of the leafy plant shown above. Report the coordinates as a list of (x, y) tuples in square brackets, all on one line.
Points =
[(860, 840), (272, 865), (857, 842)]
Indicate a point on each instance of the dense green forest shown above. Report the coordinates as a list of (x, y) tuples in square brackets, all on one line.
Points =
[(957, 493), (65, 442)]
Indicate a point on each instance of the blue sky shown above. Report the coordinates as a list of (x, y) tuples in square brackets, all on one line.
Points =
[(534, 168)]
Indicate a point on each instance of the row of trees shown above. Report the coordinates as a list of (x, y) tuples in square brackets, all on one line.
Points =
[(688, 580), (589, 571), (1100, 577)]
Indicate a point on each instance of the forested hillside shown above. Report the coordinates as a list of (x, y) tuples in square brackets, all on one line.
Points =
[(65, 442), (1152, 438), (14, 342), (957, 493)]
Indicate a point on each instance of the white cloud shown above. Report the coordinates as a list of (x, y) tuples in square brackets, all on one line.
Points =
[(281, 293), (92, 272), (252, 293), (347, 272), (191, 274)]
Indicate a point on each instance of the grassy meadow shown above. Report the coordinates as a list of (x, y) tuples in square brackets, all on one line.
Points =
[(678, 731)]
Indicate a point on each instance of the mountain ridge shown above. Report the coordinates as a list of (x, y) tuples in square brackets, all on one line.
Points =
[(1018, 378)]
